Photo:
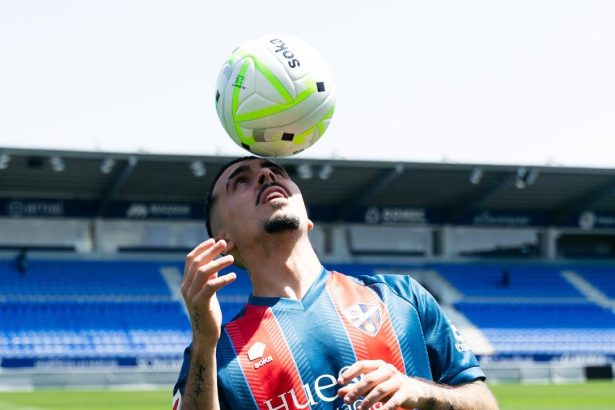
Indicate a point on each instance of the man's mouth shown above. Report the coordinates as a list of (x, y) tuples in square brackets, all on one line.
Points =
[(269, 193)]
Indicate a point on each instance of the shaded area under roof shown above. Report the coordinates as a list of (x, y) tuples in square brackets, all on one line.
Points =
[(26, 173)]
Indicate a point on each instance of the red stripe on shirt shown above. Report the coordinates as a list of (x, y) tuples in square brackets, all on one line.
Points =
[(273, 381), (383, 345)]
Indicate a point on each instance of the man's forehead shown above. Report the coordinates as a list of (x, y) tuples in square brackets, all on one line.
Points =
[(248, 164)]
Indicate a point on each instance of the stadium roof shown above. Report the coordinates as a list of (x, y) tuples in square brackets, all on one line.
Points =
[(346, 185)]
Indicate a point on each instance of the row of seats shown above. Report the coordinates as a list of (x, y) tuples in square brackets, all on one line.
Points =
[(64, 278), (568, 341), (515, 281), (537, 315), (524, 280), (56, 343), (534, 328), (23, 316), (602, 277)]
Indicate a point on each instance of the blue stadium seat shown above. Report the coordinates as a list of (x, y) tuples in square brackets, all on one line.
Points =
[(524, 281), (600, 276)]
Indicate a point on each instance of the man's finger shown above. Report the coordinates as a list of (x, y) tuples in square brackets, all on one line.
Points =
[(199, 248), (367, 383), (379, 392), (206, 254), (394, 402), (214, 285), (204, 273), (209, 254), (358, 368), (194, 252)]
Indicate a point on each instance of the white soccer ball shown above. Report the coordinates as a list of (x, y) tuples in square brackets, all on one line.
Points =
[(275, 96)]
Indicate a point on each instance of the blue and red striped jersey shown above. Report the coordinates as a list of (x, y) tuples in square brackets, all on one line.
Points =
[(286, 354)]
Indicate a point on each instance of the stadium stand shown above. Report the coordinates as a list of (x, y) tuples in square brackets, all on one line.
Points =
[(126, 309), (106, 309), (531, 309), (88, 310)]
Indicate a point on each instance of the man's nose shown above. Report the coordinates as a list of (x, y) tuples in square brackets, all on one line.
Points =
[(266, 176)]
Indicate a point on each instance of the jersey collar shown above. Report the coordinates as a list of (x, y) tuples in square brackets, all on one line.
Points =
[(286, 303)]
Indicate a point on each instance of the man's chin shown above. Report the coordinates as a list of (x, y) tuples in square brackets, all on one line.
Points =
[(282, 223)]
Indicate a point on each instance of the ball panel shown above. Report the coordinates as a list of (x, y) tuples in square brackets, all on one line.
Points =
[(320, 115), (270, 67), (255, 103), (269, 116), (237, 89), (279, 116), (272, 89), (302, 128)]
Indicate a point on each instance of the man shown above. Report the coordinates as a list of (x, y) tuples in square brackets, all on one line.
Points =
[(309, 338)]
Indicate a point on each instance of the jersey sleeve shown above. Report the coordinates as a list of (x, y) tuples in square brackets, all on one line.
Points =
[(180, 385), (451, 360)]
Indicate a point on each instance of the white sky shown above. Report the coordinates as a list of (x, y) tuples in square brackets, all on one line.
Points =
[(522, 82)]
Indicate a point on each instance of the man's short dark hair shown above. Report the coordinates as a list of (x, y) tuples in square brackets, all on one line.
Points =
[(211, 199)]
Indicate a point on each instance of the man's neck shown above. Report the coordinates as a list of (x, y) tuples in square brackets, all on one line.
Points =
[(284, 267)]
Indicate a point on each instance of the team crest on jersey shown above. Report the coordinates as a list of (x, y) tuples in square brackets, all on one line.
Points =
[(365, 317)]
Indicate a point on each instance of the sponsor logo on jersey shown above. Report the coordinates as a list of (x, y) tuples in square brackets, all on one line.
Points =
[(365, 317), (323, 389), (257, 351), (461, 346)]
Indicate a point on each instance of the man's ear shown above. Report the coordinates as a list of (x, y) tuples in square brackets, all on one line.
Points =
[(230, 246), (231, 249)]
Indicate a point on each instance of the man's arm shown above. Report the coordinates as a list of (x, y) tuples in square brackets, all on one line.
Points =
[(199, 287), (475, 395), (202, 384), (382, 382)]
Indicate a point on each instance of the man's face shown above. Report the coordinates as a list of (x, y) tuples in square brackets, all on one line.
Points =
[(255, 197)]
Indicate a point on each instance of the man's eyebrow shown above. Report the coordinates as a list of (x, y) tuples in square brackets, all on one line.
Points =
[(236, 171)]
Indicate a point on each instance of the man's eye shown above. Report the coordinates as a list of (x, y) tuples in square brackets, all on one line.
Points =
[(241, 180)]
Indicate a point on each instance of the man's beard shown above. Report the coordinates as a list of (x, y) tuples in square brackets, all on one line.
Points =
[(281, 223)]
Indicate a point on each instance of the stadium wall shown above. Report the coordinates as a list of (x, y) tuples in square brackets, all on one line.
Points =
[(93, 377)]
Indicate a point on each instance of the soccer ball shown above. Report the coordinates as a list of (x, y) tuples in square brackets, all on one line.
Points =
[(275, 96)]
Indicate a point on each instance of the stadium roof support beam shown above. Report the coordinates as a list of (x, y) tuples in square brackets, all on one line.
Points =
[(479, 197), (586, 201), (117, 184), (360, 196)]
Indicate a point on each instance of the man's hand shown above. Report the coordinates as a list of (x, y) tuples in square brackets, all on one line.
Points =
[(199, 287), (381, 382)]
